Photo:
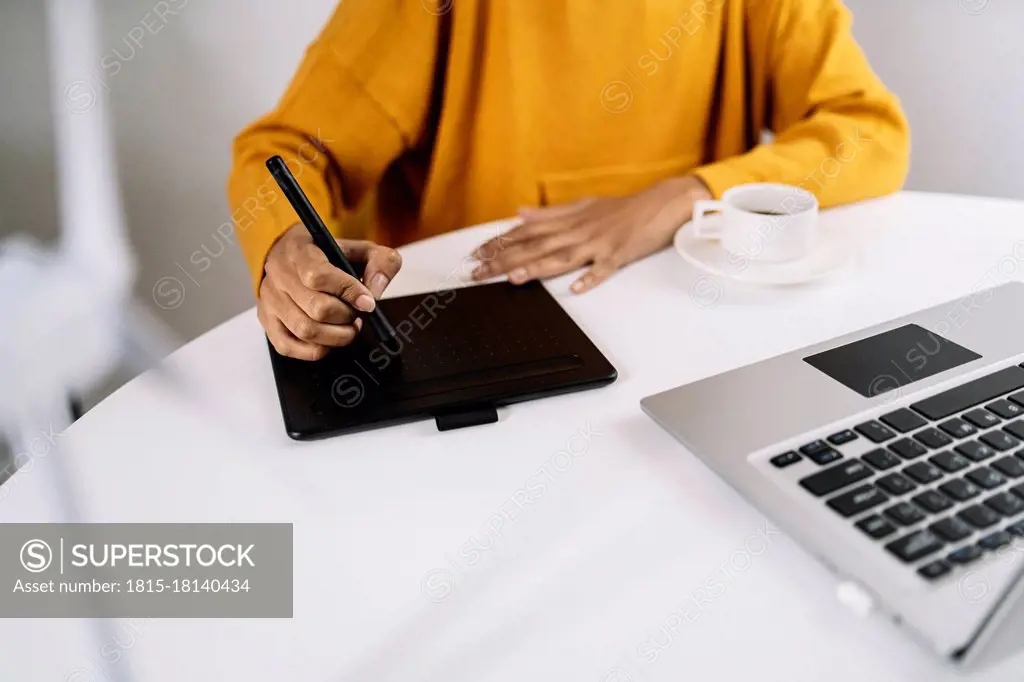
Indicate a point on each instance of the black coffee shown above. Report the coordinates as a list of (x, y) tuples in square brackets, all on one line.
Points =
[(773, 213)]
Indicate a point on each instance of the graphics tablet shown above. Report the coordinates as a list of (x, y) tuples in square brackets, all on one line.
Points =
[(461, 353)]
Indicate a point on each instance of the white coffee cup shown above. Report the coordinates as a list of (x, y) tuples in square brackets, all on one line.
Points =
[(764, 222)]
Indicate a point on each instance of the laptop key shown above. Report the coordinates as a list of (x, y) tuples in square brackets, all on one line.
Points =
[(1016, 529), (785, 459), (933, 438), (981, 418), (995, 540), (979, 516), (895, 484), (1015, 428), (1018, 491), (876, 526), (857, 500), (923, 472), (1005, 409), (874, 432), (934, 570), (958, 428), (959, 489), (972, 393), (932, 501), (1000, 440), (903, 420), (814, 447), (882, 459), (975, 451), (951, 529), (842, 437), (1006, 503), (950, 461), (826, 456), (914, 546), (965, 555), (986, 478), (904, 514), (908, 449), (1017, 398), (820, 452), (834, 478), (1010, 467)]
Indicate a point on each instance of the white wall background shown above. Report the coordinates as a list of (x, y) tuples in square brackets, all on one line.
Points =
[(204, 72), (960, 80)]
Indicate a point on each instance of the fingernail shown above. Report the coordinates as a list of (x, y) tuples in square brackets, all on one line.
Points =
[(365, 302), (358, 324), (577, 286), (378, 284), (517, 276), (480, 271)]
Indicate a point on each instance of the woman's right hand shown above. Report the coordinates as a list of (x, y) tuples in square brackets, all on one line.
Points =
[(306, 305)]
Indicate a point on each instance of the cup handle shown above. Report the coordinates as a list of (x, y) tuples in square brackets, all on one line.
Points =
[(703, 228)]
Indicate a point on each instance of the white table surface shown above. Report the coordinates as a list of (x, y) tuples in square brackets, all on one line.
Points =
[(589, 581)]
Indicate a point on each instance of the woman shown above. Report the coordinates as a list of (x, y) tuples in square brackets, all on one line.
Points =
[(600, 123)]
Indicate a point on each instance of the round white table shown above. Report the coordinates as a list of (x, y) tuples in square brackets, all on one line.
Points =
[(413, 558)]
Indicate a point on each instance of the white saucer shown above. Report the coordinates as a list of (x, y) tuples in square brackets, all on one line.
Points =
[(831, 255)]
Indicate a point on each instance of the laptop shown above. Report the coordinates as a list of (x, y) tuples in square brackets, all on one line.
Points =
[(894, 454)]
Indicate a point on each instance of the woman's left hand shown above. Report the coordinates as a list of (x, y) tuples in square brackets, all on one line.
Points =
[(605, 233)]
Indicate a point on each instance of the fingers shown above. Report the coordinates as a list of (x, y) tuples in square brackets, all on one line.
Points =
[(283, 341), (549, 242), (546, 256), (308, 306), (316, 274), (602, 270), (382, 264), (321, 307), (525, 244), (519, 234), (294, 333), (298, 322), (544, 230), (533, 214), (307, 273), (550, 265), (537, 222), (317, 305)]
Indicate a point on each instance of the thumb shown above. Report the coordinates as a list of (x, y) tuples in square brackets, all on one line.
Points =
[(382, 264)]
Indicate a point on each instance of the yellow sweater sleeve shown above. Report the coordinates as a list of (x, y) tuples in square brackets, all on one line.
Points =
[(838, 132), (343, 120)]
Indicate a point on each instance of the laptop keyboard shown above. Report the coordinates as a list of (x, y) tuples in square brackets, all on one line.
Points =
[(945, 483)]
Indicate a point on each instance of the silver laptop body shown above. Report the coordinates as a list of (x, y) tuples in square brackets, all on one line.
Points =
[(819, 438)]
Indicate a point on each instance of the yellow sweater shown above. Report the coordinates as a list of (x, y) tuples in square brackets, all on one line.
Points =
[(460, 111)]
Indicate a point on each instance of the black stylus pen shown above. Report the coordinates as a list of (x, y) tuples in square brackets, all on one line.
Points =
[(323, 238)]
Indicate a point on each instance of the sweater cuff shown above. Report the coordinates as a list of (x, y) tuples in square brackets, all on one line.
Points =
[(261, 222), (723, 175)]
